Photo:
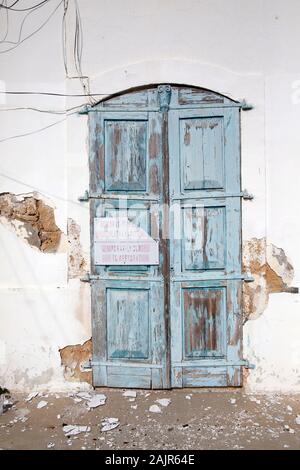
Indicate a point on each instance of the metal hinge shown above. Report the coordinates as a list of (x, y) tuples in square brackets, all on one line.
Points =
[(85, 109), (85, 196), (291, 290), (246, 106), (248, 364), (246, 195), (86, 278), (87, 365), (89, 277), (247, 278)]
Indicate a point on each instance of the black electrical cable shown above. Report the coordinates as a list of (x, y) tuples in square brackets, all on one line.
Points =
[(7, 25), (12, 137), (34, 32), (50, 94), (13, 4), (23, 9)]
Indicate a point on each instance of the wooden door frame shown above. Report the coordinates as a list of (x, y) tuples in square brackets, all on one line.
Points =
[(164, 108)]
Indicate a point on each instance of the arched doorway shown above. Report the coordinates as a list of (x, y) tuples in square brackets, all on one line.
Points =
[(166, 239)]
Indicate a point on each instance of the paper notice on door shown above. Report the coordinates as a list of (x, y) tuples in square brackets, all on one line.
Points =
[(117, 241)]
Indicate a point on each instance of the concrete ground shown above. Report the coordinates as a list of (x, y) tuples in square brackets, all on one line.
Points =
[(194, 419)]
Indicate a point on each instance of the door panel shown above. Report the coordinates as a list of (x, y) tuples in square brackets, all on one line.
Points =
[(201, 152), (205, 247), (129, 337), (130, 346), (203, 240), (203, 312), (128, 323), (125, 154)]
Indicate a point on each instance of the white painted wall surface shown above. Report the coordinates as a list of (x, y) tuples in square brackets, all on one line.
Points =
[(240, 48)]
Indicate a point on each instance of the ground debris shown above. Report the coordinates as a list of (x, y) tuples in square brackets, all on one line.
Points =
[(84, 395), (155, 409), (164, 401), (96, 400), (42, 404), (129, 394), (31, 396), (73, 430), (107, 424), (208, 421)]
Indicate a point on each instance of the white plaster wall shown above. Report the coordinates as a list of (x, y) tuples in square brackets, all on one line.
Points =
[(240, 48)]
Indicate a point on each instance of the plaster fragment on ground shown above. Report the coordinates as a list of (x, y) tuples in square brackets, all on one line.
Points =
[(254, 399), (50, 445), (297, 420), (232, 401), (107, 424), (84, 395), (289, 408), (42, 404), (31, 396), (96, 400), (129, 394), (155, 409), (21, 414), (73, 430), (164, 401)]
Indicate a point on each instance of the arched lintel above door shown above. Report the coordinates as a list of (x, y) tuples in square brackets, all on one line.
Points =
[(164, 96)]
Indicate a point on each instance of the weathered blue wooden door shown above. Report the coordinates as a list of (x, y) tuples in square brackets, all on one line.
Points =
[(205, 241), (126, 182), (167, 160)]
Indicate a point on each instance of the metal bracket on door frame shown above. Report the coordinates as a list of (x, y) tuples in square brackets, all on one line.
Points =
[(246, 106), (247, 196), (87, 365), (239, 363), (86, 278), (90, 277), (248, 365), (85, 197), (242, 363), (85, 109)]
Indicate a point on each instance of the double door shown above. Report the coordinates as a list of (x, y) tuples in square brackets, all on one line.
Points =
[(165, 205)]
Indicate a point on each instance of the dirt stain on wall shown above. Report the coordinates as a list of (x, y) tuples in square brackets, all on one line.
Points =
[(31, 219), (76, 262)]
